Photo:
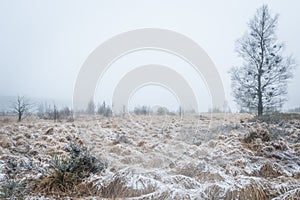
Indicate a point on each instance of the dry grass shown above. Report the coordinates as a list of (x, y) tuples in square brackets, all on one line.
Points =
[(67, 177), (118, 188), (276, 118), (57, 183), (253, 191), (64, 185), (146, 163), (262, 134), (290, 195)]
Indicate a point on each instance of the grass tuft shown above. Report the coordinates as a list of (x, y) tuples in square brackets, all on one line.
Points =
[(68, 174)]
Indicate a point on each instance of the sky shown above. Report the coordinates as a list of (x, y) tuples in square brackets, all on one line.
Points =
[(44, 43)]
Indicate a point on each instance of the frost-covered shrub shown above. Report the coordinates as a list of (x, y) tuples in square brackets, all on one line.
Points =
[(263, 134), (81, 161), (68, 174), (13, 189), (11, 186)]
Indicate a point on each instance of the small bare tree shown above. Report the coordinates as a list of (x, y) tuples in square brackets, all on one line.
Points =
[(260, 84), (91, 107), (21, 107), (180, 112), (55, 113)]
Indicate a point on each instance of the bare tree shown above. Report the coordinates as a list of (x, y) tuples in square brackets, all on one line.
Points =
[(55, 113), (260, 84), (180, 111), (91, 107), (41, 110), (51, 112), (21, 107), (104, 110), (66, 112)]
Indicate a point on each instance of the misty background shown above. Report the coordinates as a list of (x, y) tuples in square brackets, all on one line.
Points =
[(43, 44)]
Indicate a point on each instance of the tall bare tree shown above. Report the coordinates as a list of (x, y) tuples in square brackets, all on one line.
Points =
[(21, 107), (260, 83)]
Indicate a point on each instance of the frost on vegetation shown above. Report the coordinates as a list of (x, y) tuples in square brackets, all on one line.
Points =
[(262, 134), (67, 175), (12, 187), (237, 160)]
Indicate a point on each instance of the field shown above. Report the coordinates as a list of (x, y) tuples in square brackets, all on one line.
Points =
[(232, 156)]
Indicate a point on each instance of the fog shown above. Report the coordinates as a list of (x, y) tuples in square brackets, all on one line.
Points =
[(43, 44)]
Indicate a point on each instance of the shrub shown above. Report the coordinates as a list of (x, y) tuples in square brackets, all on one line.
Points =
[(11, 187), (82, 161), (263, 134), (69, 173)]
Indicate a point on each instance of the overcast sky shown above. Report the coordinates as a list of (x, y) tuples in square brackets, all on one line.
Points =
[(43, 43)]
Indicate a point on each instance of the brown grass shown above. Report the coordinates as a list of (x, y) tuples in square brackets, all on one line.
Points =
[(262, 134), (5, 142), (269, 170), (252, 191), (63, 184), (117, 188)]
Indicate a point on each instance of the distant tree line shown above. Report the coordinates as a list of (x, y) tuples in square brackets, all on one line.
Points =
[(161, 110), (296, 110), (52, 112), (141, 110), (103, 109), (23, 106)]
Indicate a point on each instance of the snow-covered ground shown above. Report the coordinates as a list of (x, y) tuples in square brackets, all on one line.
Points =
[(165, 157)]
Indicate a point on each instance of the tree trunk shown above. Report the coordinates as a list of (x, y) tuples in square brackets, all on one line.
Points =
[(20, 117), (260, 103)]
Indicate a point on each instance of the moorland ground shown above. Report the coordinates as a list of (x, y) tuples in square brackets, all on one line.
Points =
[(218, 156)]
